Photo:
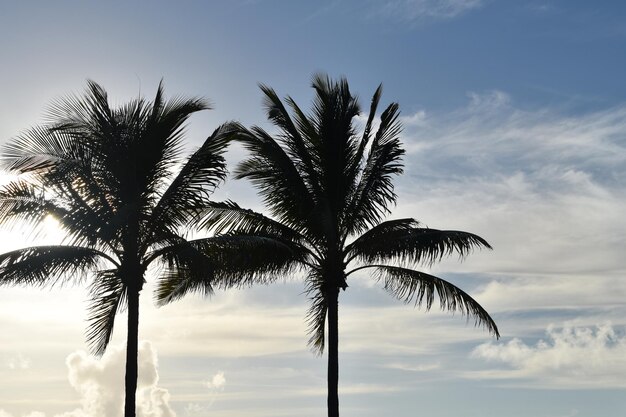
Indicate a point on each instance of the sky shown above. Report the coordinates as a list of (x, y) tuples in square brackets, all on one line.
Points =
[(514, 117)]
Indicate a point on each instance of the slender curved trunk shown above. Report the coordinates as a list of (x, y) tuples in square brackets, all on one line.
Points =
[(333, 352), (132, 353)]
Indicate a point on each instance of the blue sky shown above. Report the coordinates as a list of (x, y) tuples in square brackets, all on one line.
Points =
[(515, 129)]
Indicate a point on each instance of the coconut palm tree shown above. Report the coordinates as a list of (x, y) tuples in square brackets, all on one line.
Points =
[(122, 191), (328, 191)]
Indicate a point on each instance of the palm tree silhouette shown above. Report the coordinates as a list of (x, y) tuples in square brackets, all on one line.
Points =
[(328, 191), (108, 175)]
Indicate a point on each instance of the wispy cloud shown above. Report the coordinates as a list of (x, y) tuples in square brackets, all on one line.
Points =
[(418, 10), (546, 189), (426, 367)]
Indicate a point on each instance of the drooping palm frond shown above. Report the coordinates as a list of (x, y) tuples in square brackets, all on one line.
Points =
[(403, 241), (174, 284), (49, 265), (421, 289), (317, 284), (186, 270), (245, 259), (316, 316), (108, 297)]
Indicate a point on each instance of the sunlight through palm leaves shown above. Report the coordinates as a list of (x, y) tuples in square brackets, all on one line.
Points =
[(108, 176)]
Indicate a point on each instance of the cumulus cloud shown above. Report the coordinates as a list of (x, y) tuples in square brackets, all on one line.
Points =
[(568, 357), (99, 382)]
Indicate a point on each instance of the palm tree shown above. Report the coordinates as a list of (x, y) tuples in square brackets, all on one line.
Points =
[(328, 191), (108, 175)]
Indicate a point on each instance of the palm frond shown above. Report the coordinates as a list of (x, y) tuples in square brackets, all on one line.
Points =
[(228, 216), (334, 109), (404, 241), (108, 297), (35, 150), (367, 130), (85, 111), (420, 288), (70, 171), (317, 312), (277, 178), (223, 262), (26, 205), (244, 260), (158, 141), (374, 192), (49, 265), (86, 221), (22, 203), (190, 189), (299, 137), (187, 269), (175, 283)]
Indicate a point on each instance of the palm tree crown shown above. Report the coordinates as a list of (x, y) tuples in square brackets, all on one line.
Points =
[(108, 175), (328, 190)]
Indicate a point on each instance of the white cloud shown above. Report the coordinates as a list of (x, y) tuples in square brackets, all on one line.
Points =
[(216, 389), (217, 382), (99, 382), (569, 357)]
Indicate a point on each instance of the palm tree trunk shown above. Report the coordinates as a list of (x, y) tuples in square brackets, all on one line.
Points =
[(132, 352), (333, 352)]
